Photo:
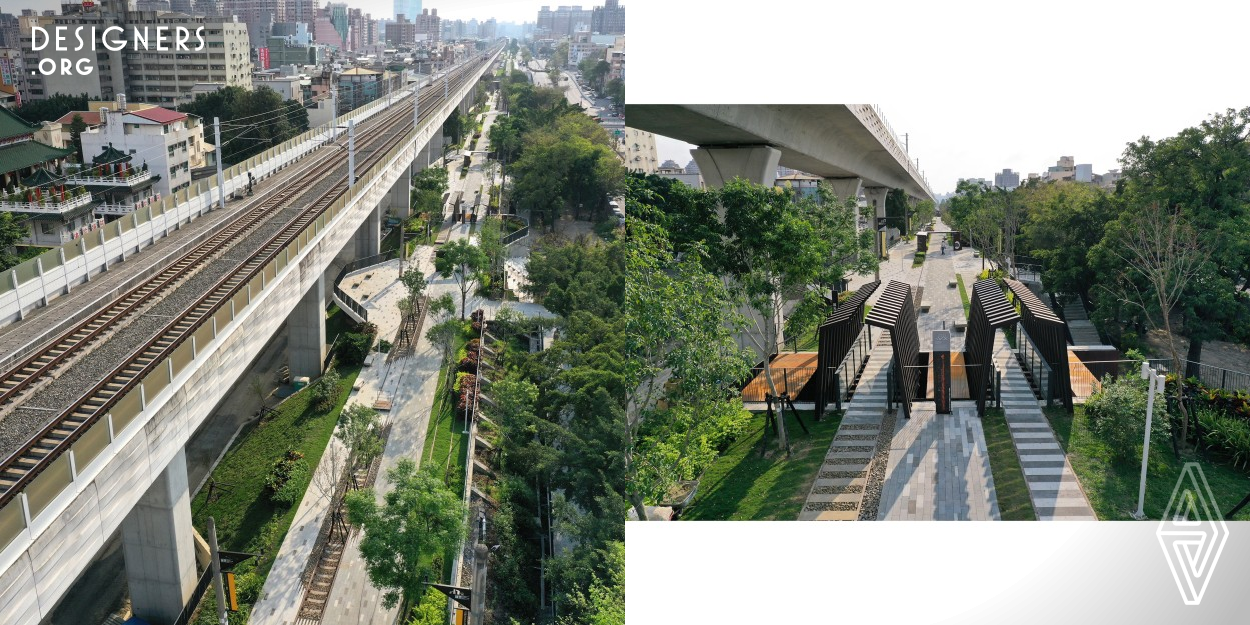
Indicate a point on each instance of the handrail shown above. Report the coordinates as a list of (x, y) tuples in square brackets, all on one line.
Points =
[(357, 264)]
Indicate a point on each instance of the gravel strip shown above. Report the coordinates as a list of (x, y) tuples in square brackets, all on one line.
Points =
[(858, 426), (854, 449), (824, 475), (825, 506), (876, 469)]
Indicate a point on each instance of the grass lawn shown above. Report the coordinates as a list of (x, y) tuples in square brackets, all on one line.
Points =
[(445, 445), (1112, 488), (246, 518), (1009, 485), (963, 294), (753, 480)]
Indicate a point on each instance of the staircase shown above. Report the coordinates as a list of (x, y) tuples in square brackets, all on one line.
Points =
[(1079, 325)]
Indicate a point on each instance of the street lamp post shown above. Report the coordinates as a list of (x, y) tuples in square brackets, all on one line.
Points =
[(1155, 384)]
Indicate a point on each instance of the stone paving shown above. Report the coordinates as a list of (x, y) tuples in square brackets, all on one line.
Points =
[(1053, 487), (939, 468), (839, 489)]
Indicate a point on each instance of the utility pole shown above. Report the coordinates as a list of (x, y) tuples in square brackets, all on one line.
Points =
[(351, 153), (221, 180), (221, 592), (906, 143), (334, 113)]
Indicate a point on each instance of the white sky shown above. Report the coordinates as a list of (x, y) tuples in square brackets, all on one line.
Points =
[(978, 85)]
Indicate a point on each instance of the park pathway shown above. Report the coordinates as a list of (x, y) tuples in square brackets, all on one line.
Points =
[(839, 490), (1053, 487)]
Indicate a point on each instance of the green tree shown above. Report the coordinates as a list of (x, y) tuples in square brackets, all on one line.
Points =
[(679, 339), (1203, 174), (566, 165), (490, 241), (361, 433), (76, 127), (463, 261), (585, 275), (924, 212), (615, 89), (1065, 221), (420, 522), (414, 281), (12, 230), (251, 120), (787, 261), (52, 108), (603, 603), (443, 329)]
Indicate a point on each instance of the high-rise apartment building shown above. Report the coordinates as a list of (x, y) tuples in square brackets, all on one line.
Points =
[(608, 19), (144, 74), (563, 21), (428, 24), (1007, 179)]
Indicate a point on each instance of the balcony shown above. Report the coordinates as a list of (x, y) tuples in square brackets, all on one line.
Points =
[(48, 205), (124, 208), (112, 180)]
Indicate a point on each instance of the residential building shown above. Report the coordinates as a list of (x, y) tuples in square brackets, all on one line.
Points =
[(1084, 173), (1007, 179), (1110, 178), (563, 21), (117, 185), (636, 149), (358, 86), (487, 30), (286, 86), (169, 142), (10, 31), (259, 15), (582, 47), (616, 59), (609, 19), (145, 75), (401, 32), (33, 191), (427, 25), (802, 184)]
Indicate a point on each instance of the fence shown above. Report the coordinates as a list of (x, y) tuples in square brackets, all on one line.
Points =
[(1087, 375), (848, 371), (1034, 365), (1211, 377), (347, 301)]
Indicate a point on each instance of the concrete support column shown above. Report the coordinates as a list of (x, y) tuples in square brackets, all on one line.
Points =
[(876, 199), (369, 236), (306, 332), (398, 199), (756, 163), (159, 547), (847, 187)]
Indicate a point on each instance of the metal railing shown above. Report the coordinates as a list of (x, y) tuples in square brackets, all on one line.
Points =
[(872, 118), (349, 301), (851, 366), (1035, 365), (517, 235), (1211, 377)]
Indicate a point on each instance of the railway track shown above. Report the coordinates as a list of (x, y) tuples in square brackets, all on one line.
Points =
[(56, 437)]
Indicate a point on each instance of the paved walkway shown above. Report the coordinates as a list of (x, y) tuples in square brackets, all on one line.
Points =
[(939, 468), (1053, 487), (839, 490)]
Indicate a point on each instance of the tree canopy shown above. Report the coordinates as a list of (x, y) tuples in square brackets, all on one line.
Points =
[(252, 120)]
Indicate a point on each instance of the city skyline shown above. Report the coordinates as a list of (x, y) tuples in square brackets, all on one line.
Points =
[(948, 150), (502, 10)]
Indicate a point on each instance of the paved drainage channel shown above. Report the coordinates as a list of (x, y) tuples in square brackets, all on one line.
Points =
[(848, 487)]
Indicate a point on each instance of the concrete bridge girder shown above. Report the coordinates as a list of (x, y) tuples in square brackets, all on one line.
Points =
[(40, 564), (755, 163)]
